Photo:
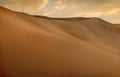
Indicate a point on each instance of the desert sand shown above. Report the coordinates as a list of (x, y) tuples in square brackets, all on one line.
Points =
[(38, 46)]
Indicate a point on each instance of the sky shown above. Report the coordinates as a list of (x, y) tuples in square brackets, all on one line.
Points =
[(105, 9)]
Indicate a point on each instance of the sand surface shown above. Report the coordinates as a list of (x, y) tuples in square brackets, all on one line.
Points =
[(38, 46)]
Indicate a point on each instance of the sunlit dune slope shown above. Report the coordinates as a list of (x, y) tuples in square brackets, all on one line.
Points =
[(38, 46)]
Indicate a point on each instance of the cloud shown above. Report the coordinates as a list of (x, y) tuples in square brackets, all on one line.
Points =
[(30, 5), (107, 9), (60, 5)]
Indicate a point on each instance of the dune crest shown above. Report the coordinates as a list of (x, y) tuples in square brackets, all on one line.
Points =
[(38, 46)]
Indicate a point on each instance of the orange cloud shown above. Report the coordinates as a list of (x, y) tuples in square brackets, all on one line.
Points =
[(30, 5), (60, 5)]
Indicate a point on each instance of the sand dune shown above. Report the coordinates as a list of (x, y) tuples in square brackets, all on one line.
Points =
[(38, 46)]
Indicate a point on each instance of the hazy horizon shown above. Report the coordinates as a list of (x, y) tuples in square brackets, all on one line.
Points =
[(106, 9)]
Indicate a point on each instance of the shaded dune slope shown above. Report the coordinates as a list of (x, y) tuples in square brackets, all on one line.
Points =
[(37, 46)]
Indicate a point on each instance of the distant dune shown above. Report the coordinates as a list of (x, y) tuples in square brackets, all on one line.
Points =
[(38, 46)]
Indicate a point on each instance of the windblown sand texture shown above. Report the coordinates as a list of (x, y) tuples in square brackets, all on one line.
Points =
[(38, 46)]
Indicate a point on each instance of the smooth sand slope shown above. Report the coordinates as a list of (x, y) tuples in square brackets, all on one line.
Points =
[(36, 46)]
